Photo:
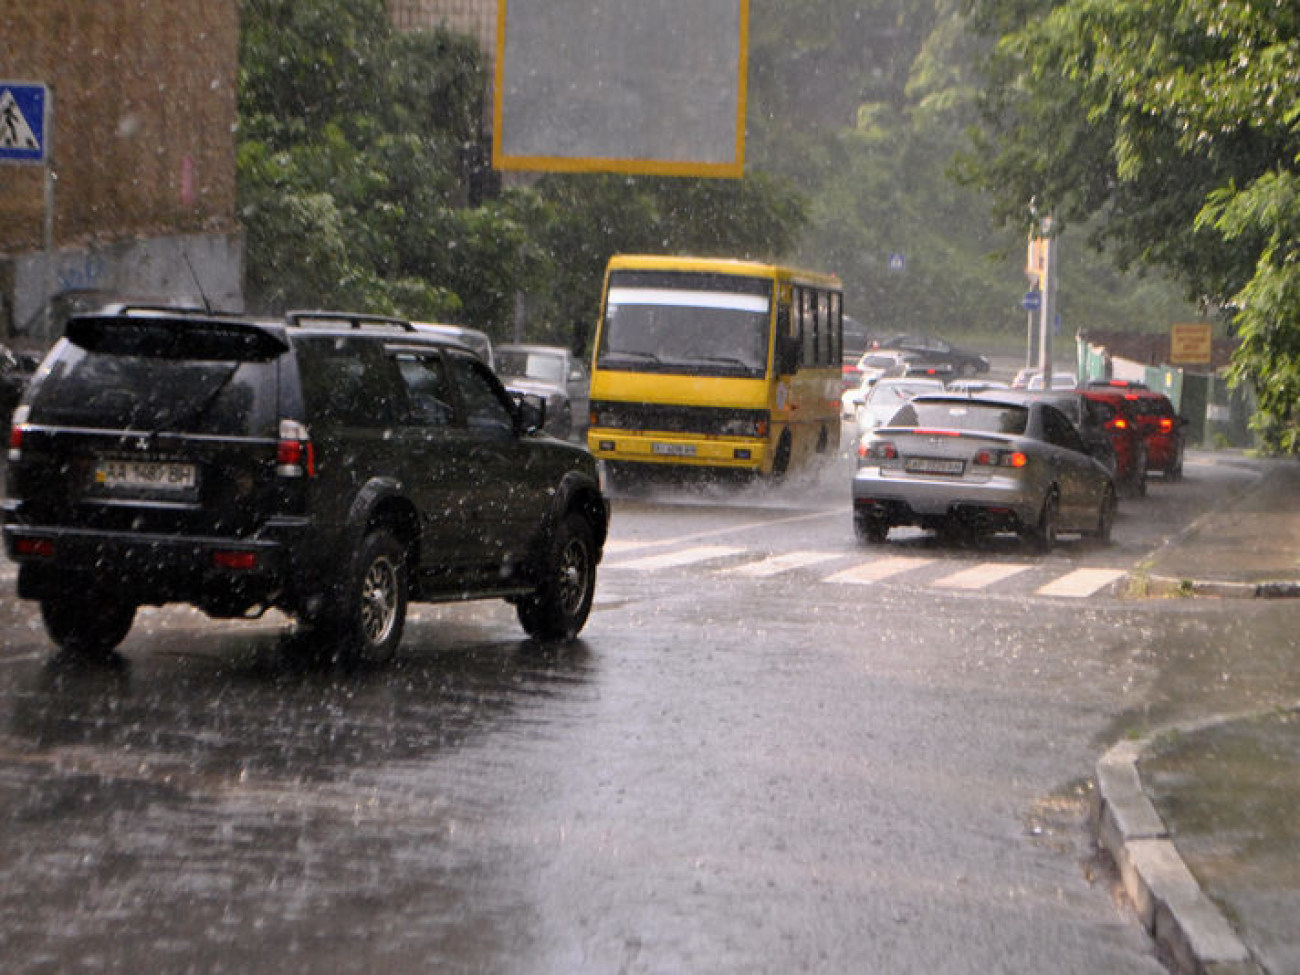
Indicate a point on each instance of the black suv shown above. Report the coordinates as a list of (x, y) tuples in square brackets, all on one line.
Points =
[(332, 466)]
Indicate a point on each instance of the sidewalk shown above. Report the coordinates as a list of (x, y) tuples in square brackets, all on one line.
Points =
[(1203, 818)]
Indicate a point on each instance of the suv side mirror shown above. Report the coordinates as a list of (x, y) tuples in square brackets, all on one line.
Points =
[(531, 413)]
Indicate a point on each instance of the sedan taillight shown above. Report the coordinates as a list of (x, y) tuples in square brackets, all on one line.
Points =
[(1002, 458), (877, 450)]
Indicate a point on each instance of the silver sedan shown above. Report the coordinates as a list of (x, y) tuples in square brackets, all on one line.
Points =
[(951, 463)]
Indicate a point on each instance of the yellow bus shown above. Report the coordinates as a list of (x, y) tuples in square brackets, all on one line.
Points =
[(711, 363)]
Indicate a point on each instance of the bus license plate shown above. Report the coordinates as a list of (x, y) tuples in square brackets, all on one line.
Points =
[(934, 465), (674, 449), (148, 475)]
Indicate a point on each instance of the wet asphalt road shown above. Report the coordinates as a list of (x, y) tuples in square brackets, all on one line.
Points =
[(728, 773)]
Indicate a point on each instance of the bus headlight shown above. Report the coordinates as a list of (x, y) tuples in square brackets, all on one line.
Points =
[(750, 425)]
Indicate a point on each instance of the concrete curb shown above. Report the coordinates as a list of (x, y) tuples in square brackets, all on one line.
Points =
[(1164, 586), (1184, 922)]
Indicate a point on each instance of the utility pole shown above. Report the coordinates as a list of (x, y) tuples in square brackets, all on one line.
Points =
[(1047, 310)]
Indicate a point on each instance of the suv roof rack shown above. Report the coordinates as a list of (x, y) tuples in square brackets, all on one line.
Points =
[(351, 319), (152, 308)]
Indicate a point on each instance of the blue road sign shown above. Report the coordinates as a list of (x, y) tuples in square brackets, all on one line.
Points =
[(1032, 301), (24, 122)]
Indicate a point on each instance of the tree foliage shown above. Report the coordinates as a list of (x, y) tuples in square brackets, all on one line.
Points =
[(1173, 126), (355, 189)]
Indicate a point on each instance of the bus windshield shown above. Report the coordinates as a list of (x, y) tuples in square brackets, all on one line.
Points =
[(696, 324)]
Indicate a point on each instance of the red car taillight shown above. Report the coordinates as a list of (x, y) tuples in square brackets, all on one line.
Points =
[(295, 456), (878, 451), (1118, 423), (1002, 458), (1166, 424)]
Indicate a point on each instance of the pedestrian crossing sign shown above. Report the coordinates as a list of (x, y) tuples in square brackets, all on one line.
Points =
[(24, 122)]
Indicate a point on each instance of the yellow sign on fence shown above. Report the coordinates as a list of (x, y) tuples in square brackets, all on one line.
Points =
[(1190, 344)]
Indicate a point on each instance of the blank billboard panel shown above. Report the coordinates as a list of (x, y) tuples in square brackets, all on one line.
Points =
[(621, 86)]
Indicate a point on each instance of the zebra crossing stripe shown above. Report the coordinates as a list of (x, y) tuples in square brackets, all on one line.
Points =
[(979, 576), (680, 557), (1081, 582), (878, 571), (776, 564)]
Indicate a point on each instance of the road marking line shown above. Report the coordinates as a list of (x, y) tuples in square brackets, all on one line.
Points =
[(878, 571), (979, 576), (746, 526), (786, 562), (1081, 582), (679, 557), (618, 545)]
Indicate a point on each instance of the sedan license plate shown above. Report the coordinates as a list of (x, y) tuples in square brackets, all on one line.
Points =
[(934, 465), (168, 477), (674, 449)]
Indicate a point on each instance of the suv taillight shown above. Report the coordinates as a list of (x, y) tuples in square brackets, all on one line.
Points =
[(1166, 425), (294, 454), (17, 427)]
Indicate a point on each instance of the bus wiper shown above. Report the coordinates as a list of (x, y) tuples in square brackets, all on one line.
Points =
[(642, 356), (726, 360)]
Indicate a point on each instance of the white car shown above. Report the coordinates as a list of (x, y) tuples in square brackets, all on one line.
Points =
[(884, 399)]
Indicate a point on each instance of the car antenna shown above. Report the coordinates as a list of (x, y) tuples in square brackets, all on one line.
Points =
[(207, 305)]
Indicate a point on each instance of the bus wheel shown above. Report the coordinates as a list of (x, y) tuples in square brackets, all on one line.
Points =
[(781, 462)]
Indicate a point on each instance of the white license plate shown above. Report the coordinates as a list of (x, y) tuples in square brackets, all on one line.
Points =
[(674, 449), (933, 465), (151, 475)]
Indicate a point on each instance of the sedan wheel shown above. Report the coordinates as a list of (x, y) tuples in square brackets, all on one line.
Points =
[(1106, 517), (1042, 537)]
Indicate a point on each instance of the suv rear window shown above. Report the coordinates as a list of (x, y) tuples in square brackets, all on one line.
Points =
[(162, 375)]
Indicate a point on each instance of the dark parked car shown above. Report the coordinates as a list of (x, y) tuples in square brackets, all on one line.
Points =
[(331, 466), (1088, 416), (555, 374), (934, 351)]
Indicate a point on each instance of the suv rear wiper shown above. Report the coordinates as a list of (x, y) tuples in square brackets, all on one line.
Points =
[(193, 414)]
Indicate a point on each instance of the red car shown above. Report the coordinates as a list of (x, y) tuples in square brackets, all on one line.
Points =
[(1121, 423), (1163, 429)]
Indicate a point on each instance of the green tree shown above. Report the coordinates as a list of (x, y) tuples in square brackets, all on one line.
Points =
[(1172, 127), (351, 177), (862, 106)]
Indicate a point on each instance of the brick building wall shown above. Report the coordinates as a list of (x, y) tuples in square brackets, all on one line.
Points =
[(143, 136), (144, 113)]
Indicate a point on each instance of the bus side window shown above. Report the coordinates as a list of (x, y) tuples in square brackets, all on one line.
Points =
[(785, 358), (808, 325), (837, 328), (823, 329)]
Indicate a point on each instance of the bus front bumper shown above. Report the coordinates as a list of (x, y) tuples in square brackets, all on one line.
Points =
[(732, 452)]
